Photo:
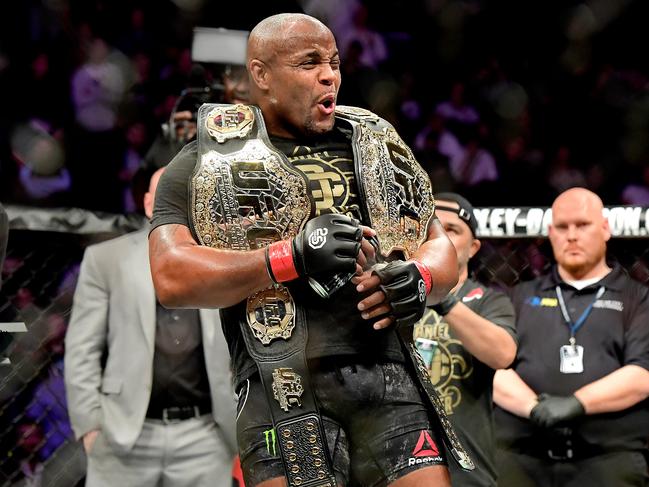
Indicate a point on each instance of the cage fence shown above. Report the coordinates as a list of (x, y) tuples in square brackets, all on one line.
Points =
[(38, 282)]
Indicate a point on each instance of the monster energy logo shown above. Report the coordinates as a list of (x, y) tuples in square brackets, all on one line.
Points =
[(270, 438)]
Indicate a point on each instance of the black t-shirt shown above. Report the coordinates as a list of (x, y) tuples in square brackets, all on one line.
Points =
[(464, 384), (335, 325), (328, 164), (615, 334)]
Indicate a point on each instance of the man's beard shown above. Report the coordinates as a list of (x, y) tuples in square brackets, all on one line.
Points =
[(577, 268), (311, 128)]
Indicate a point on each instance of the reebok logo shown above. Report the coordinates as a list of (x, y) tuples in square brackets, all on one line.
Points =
[(425, 446), (425, 451), (318, 238)]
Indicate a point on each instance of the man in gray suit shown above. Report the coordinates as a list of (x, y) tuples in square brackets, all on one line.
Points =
[(148, 388)]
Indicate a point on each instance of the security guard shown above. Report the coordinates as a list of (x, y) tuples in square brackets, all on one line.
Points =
[(573, 409)]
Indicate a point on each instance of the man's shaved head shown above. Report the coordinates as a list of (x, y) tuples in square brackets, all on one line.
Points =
[(580, 197), (294, 71), (579, 233), (275, 32)]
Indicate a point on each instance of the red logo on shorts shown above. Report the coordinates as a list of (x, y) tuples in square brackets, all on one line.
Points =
[(425, 447)]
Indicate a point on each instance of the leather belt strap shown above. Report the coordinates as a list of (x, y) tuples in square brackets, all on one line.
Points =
[(179, 413), (245, 195), (399, 205), (284, 374)]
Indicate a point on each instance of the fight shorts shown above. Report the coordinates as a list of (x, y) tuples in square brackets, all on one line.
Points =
[(375, 422)]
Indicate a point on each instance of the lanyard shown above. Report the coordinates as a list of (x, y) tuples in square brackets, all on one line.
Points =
[(577, 324)]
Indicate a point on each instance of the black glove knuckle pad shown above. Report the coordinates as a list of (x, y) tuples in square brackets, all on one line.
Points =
[(400, 282), (348, 249), (347, 232), (328, 245)]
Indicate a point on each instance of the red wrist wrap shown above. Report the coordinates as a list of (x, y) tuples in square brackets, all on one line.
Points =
[(280, 259), (425, 274)]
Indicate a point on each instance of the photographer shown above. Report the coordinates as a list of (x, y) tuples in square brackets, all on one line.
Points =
[(181, 127)]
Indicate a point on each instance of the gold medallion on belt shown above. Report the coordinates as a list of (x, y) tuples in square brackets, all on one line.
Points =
[(229, 122)]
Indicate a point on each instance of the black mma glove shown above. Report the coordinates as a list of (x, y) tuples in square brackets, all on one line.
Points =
[(405, 285), (328, 244), (554, 409)]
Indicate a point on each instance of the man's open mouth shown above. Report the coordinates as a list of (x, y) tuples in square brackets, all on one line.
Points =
[(327, 104)]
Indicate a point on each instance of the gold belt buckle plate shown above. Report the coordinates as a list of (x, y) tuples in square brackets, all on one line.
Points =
[(271, 314), (229, 122)]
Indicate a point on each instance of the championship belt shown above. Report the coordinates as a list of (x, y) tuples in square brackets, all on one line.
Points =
[(244, 196), (398, 197), (399, 205)]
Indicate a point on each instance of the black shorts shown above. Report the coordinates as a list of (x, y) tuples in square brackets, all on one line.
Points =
[(375, 422)]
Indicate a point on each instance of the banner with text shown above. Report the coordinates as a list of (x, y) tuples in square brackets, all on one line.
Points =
[(526, 222)]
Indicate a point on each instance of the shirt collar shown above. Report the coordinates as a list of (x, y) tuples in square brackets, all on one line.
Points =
[(613, 281)]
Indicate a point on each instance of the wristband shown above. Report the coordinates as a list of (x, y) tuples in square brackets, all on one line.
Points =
[(444, 307), (425, 274), (279, 261)]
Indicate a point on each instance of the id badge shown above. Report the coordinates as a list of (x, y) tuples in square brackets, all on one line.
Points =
[(572, 359)]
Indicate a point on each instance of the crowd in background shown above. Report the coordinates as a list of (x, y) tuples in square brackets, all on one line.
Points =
[(509, 104)]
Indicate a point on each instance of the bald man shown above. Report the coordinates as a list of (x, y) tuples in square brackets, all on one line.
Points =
[(274, 217), (148, 388), (572, 409)]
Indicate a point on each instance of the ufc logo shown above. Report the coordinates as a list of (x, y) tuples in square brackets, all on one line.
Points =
[(318, 238)]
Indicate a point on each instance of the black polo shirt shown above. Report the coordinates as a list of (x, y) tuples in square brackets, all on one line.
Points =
[(615, 334)]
